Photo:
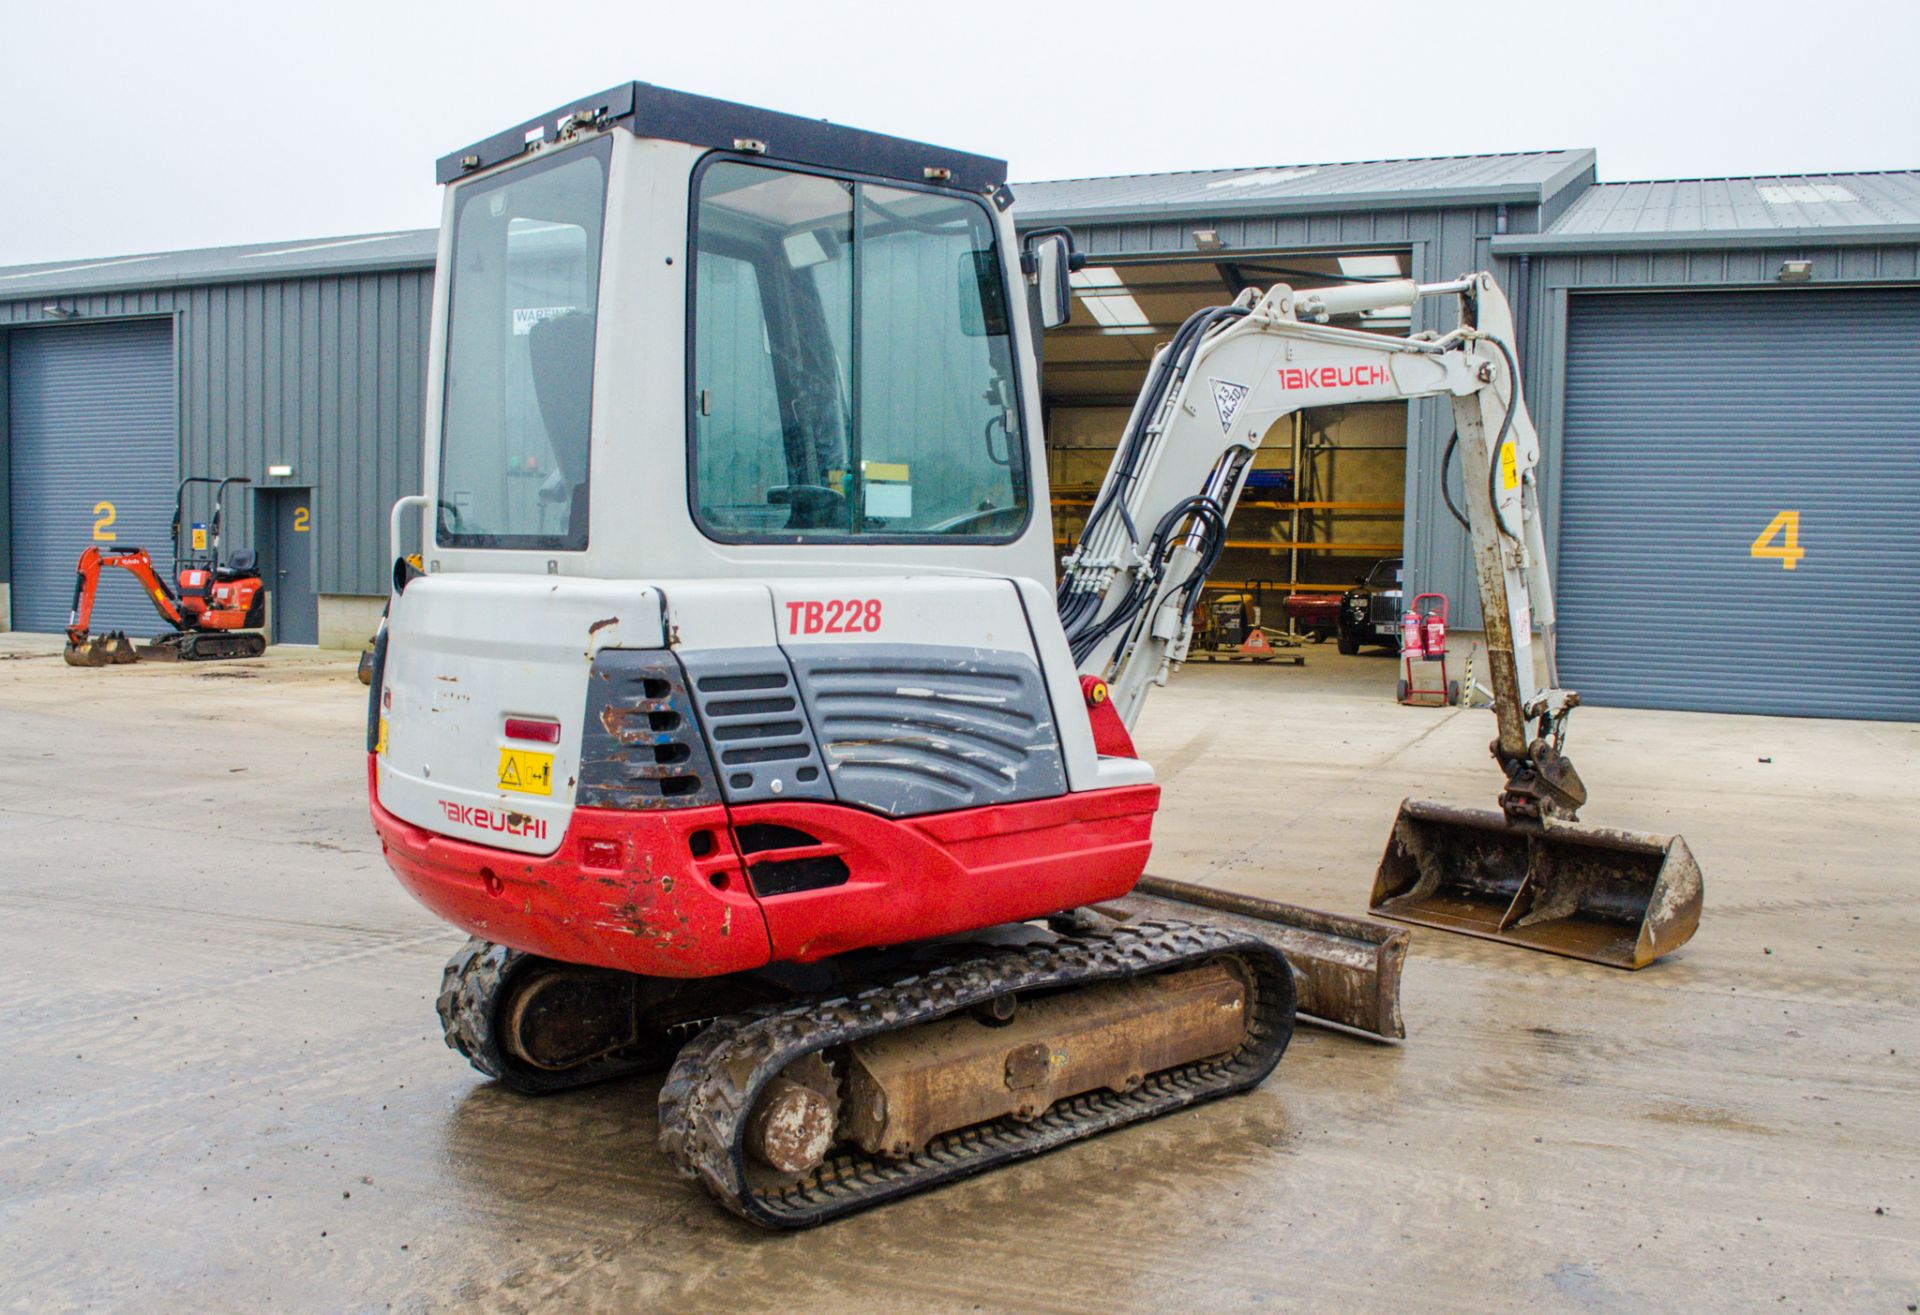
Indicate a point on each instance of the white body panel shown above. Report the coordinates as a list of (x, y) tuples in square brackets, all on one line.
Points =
[(454, 674)]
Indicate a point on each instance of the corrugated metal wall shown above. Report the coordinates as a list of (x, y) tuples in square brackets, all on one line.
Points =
[(327, 375)]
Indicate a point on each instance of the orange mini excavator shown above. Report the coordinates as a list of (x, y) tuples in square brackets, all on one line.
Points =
[(216, 610)]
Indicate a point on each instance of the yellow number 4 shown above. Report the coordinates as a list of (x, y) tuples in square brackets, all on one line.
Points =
[(1788, 551)]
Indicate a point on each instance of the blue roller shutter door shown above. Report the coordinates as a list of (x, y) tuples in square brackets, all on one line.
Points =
[(1695, 423), (95, 458)]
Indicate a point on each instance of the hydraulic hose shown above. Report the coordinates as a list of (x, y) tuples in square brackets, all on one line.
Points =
[(1446, 494), (1500, 441)]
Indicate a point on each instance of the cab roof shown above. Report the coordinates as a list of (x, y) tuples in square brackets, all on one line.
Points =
[(649, 111)]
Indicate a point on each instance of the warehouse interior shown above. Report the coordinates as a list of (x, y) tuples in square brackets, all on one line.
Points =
[(1326, 498)]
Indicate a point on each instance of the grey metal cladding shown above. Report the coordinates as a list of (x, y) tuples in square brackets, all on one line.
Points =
[(757, 728), (326, 374), (1693, 421), (640, 746), (923, 728)]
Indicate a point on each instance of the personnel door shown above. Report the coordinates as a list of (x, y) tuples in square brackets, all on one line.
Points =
[(288, 533)]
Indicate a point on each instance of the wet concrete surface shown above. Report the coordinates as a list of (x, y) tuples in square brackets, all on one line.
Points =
[(222, 1086)]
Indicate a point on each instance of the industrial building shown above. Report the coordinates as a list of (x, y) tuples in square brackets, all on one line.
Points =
[(1725, 374)]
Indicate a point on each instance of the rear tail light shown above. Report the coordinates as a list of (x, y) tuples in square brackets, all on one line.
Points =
[(534, 729)]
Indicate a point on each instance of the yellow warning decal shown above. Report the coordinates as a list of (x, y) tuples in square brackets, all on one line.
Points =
[(1509, 466), (380, 737), (526, 772)]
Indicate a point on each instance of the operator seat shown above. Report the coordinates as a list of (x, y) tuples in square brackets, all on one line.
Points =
[(243, 564)]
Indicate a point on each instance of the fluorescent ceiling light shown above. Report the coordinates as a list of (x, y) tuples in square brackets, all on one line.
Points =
[(1360, 267), (1103, 293), (1116, 312)]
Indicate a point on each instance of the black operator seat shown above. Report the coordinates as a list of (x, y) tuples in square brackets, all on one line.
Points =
[(243, 564)]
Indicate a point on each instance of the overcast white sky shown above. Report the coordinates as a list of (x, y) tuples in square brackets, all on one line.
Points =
[(133, 127)]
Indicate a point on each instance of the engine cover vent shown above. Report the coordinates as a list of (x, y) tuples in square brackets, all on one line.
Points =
[(641, 747), (921, 728), (757, 727)]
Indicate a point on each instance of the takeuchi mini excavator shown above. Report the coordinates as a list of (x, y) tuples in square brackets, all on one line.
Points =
[(216, 608), (737, 717)]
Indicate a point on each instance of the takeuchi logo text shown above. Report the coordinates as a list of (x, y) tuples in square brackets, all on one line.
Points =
[(485, 819), (1333, 376)]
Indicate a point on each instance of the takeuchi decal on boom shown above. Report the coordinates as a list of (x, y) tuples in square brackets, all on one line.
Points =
[(1333, 376)]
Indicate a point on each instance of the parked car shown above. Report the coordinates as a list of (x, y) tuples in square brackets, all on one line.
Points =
[(1315, 615), (1370, 614)]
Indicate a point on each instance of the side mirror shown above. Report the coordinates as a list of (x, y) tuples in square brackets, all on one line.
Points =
[(1047, 261)]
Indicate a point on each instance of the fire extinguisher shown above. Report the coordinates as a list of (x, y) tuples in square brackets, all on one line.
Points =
[(1411, 633), (1430, 626)]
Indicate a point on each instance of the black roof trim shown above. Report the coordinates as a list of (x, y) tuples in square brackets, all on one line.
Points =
[(650, 111)]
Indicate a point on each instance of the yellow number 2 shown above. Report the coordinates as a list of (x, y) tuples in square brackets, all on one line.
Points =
[(102, 526), (300, 520), (1788, 551)]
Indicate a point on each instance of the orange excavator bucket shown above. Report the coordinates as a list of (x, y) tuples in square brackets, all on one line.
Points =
[(1621, 898)]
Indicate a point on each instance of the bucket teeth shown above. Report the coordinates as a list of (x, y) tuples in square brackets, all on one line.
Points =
[(1621, 898), (109, 649)]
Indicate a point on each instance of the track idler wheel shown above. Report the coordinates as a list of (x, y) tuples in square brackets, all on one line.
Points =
[(541, 1026)]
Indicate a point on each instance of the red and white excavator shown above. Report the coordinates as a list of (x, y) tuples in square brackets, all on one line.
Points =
[(736, 714), (216, 608)]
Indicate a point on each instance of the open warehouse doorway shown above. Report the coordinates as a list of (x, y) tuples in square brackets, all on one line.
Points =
[(1325, 501)]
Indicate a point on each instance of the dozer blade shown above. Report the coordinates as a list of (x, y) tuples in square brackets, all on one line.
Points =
[(1621, 898), (165, 648), (1346, 970)]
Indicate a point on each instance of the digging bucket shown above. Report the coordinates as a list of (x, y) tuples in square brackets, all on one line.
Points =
[(87, 653), (1621, 898)]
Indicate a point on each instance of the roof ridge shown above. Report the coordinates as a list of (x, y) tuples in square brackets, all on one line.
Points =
[(1764, 178), (1309, 164), (292, 245)]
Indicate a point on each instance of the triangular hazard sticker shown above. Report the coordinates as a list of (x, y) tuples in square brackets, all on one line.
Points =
[(509, 771), (1226, 400), (1256, 642)]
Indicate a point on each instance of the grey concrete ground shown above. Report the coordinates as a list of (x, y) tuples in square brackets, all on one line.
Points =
[(222, 1087)]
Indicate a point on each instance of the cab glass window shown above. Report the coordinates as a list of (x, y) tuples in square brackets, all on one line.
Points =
[(851, 372), (519, 369)]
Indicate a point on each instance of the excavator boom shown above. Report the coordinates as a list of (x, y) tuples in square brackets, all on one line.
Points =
[(1529, 873)]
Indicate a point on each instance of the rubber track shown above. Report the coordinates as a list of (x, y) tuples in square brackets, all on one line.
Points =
[(472, 985), (719, 1074)]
